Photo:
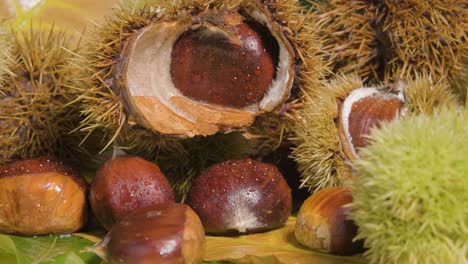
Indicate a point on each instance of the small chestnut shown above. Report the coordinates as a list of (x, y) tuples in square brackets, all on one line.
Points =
[(164, 233), (124, 184), (41, 196), (241, 196), (322, 224)]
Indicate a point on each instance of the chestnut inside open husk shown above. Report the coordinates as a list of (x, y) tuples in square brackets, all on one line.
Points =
[(41, 196), (163, 234), (241, 196), (124, 184), (214, 72), (362, 110)]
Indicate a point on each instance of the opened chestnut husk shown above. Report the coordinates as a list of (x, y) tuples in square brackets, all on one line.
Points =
[(338, 117)]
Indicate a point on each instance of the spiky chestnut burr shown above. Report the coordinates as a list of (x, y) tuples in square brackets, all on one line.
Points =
[(136, 47), (164, 234), (438, 26), (322, 223), (337, 117), (41, 196), (36, 114), (241, 196), (350, 39), (124, 184), (5, 47), (387, 40), (410, 194)]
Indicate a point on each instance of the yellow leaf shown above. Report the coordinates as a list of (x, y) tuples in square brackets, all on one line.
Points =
[(275, 247)]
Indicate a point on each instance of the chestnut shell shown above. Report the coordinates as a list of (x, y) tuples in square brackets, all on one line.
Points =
[(241, 196), (322, 223), (124, 184), (168, 233)]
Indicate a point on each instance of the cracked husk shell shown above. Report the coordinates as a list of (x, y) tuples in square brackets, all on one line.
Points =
[(164, 96), (150, 76)]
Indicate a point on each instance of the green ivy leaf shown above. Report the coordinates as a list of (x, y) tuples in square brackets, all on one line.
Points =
[(48, 250)]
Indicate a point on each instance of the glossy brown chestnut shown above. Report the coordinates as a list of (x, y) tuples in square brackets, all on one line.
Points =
[(364, 109), (41, 196), (322, 224), (163, 234), (124, 184), (232, 68), (241, 196)]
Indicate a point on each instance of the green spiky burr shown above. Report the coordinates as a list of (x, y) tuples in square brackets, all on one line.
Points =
[(410, 194)]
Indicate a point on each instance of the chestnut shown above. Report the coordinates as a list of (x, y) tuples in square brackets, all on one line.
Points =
[(124, 184), (241, 196), (41, 196), (322, 224), (164, 233)]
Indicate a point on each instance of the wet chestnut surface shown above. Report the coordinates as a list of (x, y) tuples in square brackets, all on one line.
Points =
[(232, 67), (38, 166), (241, 196), (155, 235), (124, 184), (369, 112), (40, 197)]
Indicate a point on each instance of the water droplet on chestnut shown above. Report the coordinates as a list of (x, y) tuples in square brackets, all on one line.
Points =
[(124, 184), (243, 197), (41, 196)]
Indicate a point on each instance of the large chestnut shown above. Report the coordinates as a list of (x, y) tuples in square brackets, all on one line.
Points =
[(124, 184), (41, 196), (163, 234), (322, 223), (241, 196)]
